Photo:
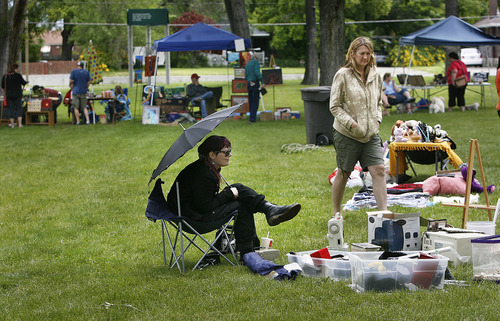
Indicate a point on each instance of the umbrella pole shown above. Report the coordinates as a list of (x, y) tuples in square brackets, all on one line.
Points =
[(228, 185)]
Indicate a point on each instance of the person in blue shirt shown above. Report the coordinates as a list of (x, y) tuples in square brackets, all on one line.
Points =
[(254, 79), (396, 95), (79, 81)]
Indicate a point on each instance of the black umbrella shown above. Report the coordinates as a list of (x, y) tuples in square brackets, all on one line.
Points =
[(190, 137)]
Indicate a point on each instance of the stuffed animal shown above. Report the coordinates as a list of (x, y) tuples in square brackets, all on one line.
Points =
[(456, 185), (475, 185), (440, 133), (398, 135), (436, 105)]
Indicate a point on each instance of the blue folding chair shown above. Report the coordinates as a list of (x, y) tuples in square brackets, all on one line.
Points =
[(157, 209)]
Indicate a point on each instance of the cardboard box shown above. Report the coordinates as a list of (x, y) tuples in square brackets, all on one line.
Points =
[(461, 242), (266, 116), (35, 105), (396, 232), (370, 273)]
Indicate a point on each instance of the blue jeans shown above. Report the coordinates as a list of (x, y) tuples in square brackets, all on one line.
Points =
[(400, 97), (203, 102), (253, 99)]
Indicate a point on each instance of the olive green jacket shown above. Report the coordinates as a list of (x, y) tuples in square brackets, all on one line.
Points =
[(353, 101)]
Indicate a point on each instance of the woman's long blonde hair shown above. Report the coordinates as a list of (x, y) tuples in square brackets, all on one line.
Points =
[(353, 47)]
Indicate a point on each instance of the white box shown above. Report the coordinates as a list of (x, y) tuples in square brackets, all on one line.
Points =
[(458, 241), (405, 229), (35, 105)]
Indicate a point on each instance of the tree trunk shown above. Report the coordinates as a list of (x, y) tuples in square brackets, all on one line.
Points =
[(16, 30), (311, 73), (237, 14), (67, 46), (332, 39), (4, 36), (451, 9)]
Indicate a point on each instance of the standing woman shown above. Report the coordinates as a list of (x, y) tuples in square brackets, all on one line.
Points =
[(12, 85), (456, 70), (356, 104), (497, 82)]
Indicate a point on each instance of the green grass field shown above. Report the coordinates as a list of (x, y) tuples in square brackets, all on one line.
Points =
[(75, 244)]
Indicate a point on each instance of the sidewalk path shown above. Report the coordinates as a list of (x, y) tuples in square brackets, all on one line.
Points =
[(62, 80)]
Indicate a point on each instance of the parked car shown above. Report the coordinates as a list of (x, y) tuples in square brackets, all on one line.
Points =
[(471, 56), (380, 57)]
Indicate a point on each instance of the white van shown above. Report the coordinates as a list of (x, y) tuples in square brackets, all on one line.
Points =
[(471, 56)]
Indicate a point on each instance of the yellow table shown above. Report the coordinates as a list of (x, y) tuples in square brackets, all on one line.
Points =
[(398, 163)]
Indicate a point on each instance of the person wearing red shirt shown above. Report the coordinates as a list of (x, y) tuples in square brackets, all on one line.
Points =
[(455, 70)]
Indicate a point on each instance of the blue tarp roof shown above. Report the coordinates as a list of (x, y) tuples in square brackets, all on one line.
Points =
[(199, 37), (451, 31)]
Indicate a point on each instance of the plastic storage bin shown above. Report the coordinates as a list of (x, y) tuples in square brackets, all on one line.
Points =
[(337, 268), (486, 256), (370, 273)]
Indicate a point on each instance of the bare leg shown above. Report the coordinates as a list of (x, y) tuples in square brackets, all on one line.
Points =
[(11, 120), (86, 113), (338, 188), (379, 185), (77, 115), (20, 121)]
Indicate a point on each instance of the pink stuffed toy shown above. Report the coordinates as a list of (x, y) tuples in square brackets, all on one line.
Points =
[(456, 185), (475, 185)]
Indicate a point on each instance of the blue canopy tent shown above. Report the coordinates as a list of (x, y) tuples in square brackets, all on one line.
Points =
[(451, 31), (199, 36)]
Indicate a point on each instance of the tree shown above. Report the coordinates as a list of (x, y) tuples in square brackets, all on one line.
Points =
[(311, 72), (332, 39), (237, 14), (11, 30), (451, 9)]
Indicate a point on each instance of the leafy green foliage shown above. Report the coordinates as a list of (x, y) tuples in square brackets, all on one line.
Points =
[(423, 55)]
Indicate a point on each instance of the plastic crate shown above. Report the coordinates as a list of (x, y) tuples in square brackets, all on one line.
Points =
[(336, 269), (370, 273)]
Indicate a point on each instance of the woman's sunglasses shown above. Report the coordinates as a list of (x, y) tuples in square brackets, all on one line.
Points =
[(226, 152)]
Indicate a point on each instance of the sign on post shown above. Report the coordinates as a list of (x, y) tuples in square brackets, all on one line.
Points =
[(147, 17)]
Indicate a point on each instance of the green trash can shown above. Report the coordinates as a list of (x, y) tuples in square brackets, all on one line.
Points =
[(319, 119)]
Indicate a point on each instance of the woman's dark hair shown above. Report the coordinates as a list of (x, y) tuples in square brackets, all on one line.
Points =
[(213, 144), (498, 65), (13, 67), (453, 55)]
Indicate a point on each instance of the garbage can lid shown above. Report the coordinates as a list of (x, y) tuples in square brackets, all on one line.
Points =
[(317, 89)]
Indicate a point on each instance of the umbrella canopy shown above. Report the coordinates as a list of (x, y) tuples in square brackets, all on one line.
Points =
[(93, 65), (190, 137)]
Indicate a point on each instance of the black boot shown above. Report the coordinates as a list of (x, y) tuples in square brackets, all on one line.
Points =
[(276, 214)]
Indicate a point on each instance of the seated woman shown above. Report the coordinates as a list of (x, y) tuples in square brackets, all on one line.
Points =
[(121, 103), (396, 95), (205, 204)]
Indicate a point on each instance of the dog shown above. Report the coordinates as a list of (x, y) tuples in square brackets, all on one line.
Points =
[(437, 105), (474, 106)]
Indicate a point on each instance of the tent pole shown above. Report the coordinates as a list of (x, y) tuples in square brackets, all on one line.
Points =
[(409, 66), (397, 59), (154, 80)]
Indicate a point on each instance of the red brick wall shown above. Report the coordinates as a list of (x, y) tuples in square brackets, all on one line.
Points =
[(51, 67)]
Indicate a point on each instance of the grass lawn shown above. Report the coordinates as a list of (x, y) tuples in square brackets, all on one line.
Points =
[(75, 244)]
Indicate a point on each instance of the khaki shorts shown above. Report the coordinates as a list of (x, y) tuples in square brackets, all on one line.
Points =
[(350, 151), (79, 101)]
